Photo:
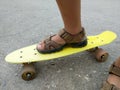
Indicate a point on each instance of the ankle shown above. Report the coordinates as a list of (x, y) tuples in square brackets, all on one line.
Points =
[(74, 31)]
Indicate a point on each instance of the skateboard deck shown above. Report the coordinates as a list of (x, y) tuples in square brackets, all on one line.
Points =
[(30, 54)]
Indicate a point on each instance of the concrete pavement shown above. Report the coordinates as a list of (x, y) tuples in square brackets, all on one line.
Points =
[(26, 22)]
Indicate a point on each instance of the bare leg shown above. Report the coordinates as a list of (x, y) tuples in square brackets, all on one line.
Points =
[(71, 14)]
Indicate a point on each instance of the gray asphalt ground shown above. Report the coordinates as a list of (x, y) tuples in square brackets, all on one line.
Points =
[(26, 22)]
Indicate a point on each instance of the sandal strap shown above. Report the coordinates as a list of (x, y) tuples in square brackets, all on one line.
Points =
[(51, 44), (114, 70), (69, 38), (108, 86)]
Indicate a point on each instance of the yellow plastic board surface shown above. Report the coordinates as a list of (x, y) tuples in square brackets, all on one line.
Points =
[(30, 54)]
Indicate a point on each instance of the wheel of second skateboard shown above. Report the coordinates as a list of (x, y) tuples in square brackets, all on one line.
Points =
[(101, 55), (28, 72)]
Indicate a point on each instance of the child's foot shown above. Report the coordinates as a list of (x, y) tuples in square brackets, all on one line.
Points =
[(113, 81), (58, 41)]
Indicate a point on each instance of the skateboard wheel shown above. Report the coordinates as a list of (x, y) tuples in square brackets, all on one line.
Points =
[(28, 72), (101, 55)]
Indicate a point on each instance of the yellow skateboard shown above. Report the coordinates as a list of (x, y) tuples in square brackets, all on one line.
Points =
[(28, 55)]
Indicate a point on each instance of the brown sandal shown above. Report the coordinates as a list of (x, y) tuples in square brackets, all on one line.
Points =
[(78, 40), (108, 86), (113, 70)]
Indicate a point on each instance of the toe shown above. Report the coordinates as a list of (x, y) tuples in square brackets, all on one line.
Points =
[(40, 46)]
